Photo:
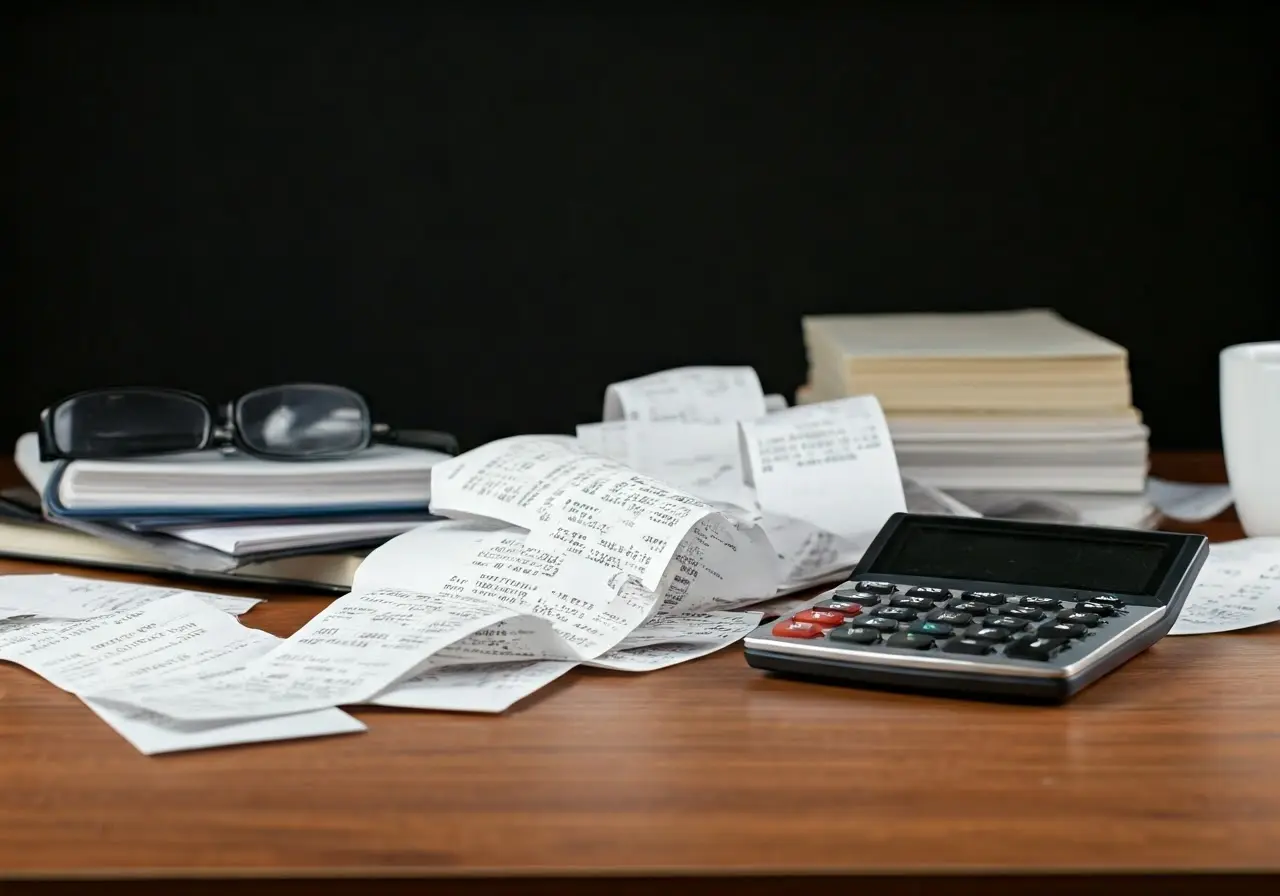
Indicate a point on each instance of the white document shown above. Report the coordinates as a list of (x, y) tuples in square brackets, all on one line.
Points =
[(676, 545), (702, 459), (73, 597), (247, 539), (669, 639), (1239, 587), (178, 637), (477, 687), (831, 465), (688, 395), (1190, 502)]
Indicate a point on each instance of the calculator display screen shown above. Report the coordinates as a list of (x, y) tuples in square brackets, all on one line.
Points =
[(1113, 563)]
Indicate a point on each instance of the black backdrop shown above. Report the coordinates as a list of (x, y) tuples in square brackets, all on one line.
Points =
[(481, 215)]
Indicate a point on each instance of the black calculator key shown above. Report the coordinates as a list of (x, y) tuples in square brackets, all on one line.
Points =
[(1108, 600), (910, 640), (1040, 603), (970, 606), (1017, 612), (931, 593), (950, 617), (902, 614), (1061, 630), (854, 634), (1090, 606), (990, 598), (936, 629), (1080, 617), (850, 593), (1033, 647), (875, 587), (986, 633), (847, 607), (1010, 623), (971, 646), (888, 626), (919, 604)]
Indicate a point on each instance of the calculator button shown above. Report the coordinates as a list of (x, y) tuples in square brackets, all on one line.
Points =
[(828, 618), (875, 587), (1061, 630), (1109, 600), (972, 646), (1033, 647), (1006, 622), (851, 593), (1080, 617), (970, 606), (931, 593), (913, 603), (844, 607), (1017, 612), (888, 626), (986, 633), (855, 634), (950, 617), (1091, 606), (990, 598), (1040, 603), (902, 614), (910, 640), (792, 629), (936, 629)]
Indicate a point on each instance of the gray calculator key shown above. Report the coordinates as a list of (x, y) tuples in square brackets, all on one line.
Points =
[(914, 603), (1080, 617), (1040, 603), (910, 640), (972, 607), (875, 587), (881, 625), (1010, 623), (902, 614), (1108, 599), (1033, 647), (970, 646), (1089, 606), (950, 617), (986, 633), (854, 634), (990, 598), (851, 593), (931, 593), (1062, 630), (1018, 612)]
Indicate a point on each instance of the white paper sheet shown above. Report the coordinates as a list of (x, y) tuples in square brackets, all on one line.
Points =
[(1239, 587), (478, 687), (1190, 502), (669, 639), (830, 464), (181, 637), (74, 597), (688, 395)]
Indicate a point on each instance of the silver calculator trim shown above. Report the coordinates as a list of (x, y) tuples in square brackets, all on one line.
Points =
[(1143, 619)]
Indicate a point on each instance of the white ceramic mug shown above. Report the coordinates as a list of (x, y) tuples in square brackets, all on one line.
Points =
[(1250, 395)]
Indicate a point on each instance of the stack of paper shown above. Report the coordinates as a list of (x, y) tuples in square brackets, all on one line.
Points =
[(999, 403)]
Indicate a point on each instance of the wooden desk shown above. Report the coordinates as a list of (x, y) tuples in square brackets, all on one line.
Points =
[(710, 770)]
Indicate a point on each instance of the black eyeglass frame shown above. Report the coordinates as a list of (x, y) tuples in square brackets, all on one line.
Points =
[(222, 428)]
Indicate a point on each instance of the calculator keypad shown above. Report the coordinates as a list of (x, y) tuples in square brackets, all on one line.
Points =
[(877, 615)]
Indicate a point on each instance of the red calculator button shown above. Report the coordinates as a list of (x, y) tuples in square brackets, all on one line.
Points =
[(790, 628), (821, 617)]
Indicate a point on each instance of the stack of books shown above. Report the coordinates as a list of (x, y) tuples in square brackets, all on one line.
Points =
[(217, 515), (995, 407)]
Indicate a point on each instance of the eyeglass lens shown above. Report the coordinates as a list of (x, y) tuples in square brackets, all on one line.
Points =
[(108, 423), (303, 420)]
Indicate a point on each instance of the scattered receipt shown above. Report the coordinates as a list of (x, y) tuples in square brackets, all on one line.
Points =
[(1238, 587)]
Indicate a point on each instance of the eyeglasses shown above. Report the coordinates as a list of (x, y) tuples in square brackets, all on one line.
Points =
[(302, 421)]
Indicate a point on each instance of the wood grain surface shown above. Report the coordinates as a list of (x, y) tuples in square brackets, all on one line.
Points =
[(706, 769)]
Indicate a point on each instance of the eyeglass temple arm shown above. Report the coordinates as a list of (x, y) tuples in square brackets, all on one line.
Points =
[(419, 438)]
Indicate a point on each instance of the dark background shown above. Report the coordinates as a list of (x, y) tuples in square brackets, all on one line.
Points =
[(481, 215)]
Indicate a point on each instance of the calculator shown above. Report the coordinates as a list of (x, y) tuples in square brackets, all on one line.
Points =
[(988, 608)]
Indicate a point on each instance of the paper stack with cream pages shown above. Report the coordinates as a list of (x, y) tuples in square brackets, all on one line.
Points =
[(994, 406)]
